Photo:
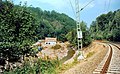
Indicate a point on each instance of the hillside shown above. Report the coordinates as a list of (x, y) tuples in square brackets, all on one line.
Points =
[(106, 26), (52, 23)]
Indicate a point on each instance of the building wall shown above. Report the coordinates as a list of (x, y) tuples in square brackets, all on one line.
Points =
[(50, 43)]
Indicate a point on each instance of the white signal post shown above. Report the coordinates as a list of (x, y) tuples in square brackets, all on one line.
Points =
[(79, 31)]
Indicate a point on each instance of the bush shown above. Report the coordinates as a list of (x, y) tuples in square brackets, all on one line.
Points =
[(17, 30), (57, 46), (37, 67), (90, 54)]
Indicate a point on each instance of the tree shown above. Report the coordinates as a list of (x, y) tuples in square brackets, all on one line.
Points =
[(52, 24), (107, 26), (17, 30), (72, 35)]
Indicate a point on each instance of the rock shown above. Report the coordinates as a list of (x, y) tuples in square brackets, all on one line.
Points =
[(1, 67), (6, 67), (81, 57), (11, 66), (14, 65), (1, 71)]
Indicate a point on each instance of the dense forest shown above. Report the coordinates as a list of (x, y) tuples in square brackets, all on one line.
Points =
[(52, 24), (106, 27)]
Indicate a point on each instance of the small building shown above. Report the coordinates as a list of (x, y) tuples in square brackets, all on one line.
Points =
[(51, 41)]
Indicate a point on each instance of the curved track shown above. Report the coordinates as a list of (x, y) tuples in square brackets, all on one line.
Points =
[(111, 62)]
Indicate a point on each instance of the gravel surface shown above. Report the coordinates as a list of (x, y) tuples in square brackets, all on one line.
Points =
[(88, 66), (114, 67)]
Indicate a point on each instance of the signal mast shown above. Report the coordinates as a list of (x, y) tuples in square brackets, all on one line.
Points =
[(79, 31)]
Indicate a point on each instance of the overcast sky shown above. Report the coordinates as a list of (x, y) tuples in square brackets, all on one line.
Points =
[(88, 15)]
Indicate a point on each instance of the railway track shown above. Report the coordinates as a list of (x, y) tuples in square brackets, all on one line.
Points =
[(111, 62)]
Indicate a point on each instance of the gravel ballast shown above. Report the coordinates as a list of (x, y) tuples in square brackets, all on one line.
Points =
[(90, 64)]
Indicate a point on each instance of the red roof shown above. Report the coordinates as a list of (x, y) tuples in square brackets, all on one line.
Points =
[(50, 39)]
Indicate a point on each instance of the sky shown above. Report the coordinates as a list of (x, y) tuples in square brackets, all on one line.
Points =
[(88, 14)]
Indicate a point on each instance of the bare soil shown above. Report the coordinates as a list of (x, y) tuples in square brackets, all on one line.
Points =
[(88, 65), (51, 53)]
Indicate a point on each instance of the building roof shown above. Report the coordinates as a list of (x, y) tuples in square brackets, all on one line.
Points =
[(50, 39)]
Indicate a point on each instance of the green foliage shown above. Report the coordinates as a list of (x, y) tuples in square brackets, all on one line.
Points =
[(52, 24), (17, 30), (106, 26), (38, 67), (72, 35), (20, 26), (86, 34)]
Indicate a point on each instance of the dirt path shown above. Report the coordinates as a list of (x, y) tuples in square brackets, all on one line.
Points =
[(88, 66)]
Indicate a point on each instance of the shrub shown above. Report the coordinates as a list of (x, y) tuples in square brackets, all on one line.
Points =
[(90, 54), (37, 67), (57, 46)]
